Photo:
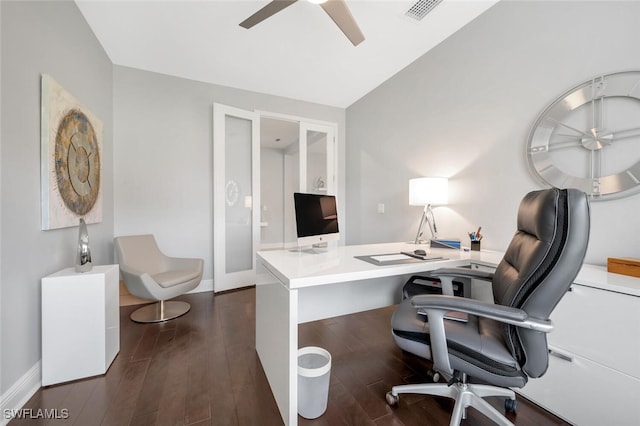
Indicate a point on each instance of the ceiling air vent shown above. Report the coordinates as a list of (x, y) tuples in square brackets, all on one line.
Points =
[(420, 9)]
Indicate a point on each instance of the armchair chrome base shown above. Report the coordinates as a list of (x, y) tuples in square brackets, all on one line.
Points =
[(465, 395), (160, 311)]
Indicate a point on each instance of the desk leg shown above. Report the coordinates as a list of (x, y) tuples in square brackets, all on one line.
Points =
[(277, 341)]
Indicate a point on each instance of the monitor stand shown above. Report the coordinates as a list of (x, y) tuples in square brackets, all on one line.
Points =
[(313, 249)]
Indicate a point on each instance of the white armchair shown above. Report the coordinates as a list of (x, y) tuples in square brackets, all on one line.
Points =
[(150, 274)]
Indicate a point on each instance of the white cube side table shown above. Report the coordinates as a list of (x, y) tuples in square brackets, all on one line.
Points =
[(80, 323)]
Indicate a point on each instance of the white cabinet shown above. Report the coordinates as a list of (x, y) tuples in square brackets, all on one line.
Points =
[(600, 325), (80, 323), (594, 364), (584, 392)]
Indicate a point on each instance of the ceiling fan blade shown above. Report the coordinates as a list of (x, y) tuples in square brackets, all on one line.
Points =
[(341, 15), (270, 9)]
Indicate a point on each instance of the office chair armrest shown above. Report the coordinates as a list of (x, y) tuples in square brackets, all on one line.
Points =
[(437, 306), (446, 276), (504, 314), (461, 272)]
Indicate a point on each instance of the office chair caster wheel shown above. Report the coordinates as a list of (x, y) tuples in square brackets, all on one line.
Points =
[(510, 405), (392, 399)]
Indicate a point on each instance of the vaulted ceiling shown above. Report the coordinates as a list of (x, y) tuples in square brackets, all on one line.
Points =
[(298, 53)]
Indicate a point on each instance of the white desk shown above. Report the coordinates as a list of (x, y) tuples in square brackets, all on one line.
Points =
[(296, 287)]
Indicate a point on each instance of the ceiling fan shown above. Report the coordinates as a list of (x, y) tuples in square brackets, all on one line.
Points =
[(336, 9)]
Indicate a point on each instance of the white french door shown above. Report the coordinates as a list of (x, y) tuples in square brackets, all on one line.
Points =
[(309, 167), (317, 158), (236, 196)]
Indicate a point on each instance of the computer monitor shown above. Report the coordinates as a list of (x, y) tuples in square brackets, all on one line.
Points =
[(316, 218)]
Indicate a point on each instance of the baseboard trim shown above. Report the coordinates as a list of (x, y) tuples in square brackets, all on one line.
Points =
[(205, 285), (233, 290), (20, 392)]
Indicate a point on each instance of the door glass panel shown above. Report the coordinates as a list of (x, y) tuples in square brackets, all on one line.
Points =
[(279, 169), (238, 199), (316, 162), (291, 185)]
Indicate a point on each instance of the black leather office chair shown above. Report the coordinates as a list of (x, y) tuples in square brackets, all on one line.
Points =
[(503, 344)]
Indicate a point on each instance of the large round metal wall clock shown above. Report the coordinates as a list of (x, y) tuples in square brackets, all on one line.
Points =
[(589, 138)]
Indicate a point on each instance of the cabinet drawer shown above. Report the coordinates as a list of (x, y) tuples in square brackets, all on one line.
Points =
[(586, 393), (599, 325)]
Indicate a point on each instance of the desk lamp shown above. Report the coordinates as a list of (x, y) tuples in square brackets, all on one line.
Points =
[(428, 191)]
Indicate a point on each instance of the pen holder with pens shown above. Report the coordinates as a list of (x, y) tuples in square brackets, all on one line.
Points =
[(475, 237)]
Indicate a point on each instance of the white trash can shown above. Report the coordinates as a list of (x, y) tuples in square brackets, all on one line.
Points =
[(314, 371)]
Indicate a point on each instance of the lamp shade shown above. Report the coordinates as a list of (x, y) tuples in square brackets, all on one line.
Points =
[(428, 190)]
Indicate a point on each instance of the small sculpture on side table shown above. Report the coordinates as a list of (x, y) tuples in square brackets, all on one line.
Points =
[(83, 261)]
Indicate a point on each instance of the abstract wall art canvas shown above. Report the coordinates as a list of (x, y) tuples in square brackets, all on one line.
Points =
[(71, 155)]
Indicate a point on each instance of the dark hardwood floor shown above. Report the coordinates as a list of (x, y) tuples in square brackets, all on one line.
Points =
[(202, 369)]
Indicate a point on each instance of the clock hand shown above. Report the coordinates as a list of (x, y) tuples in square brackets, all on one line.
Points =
[(597, 108), (571, 142), (627, 133), (569, 127)]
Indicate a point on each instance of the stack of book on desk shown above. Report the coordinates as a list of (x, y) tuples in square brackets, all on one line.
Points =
[(451, 243)]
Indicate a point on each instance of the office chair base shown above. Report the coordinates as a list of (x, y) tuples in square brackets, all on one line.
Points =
[(161, 311), (464, 394)]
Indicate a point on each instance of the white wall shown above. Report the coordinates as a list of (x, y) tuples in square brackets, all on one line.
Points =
[(52, 38), (291, 185), (163, 137), (272, 197), (464, 111), (1, 199)]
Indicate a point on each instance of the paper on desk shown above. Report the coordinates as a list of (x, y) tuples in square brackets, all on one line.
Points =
[(390, 257)]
